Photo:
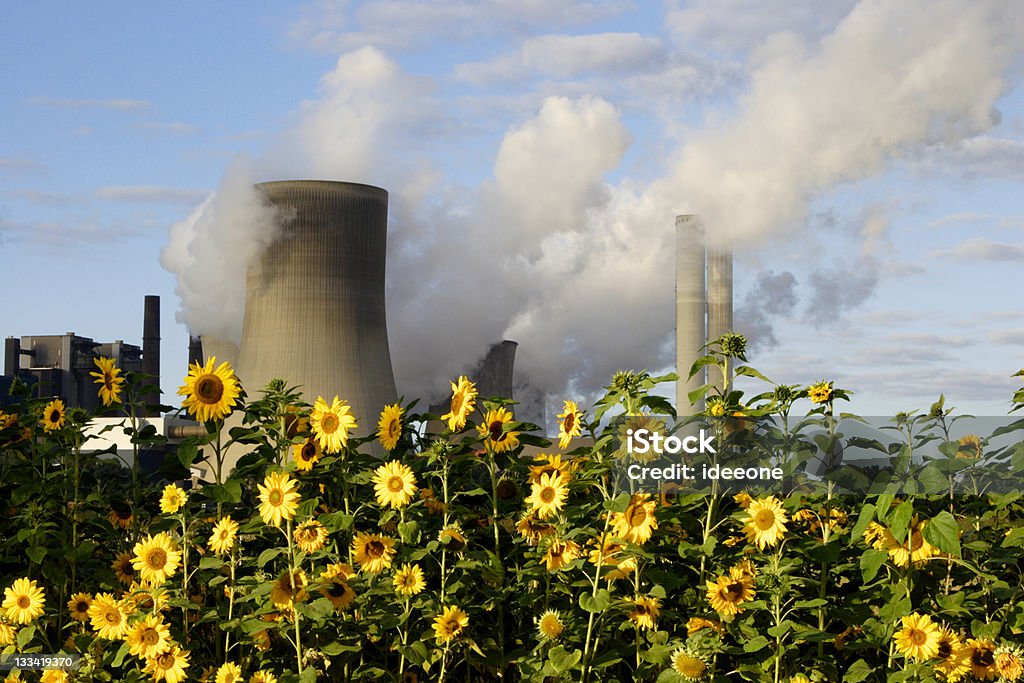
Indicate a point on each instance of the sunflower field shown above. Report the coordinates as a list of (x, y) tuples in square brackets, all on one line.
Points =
[(466, 547)]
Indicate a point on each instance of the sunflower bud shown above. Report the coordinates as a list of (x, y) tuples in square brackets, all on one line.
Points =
[(733, 345)]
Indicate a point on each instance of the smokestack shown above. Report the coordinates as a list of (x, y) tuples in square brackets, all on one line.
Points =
[(690, 310), (719, 298), (151, 351), (314, 306), (195, 349), (12, 356), (493, 376)]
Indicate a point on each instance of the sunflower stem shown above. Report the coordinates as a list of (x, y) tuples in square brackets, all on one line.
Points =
[(231, 606), (295, 596)]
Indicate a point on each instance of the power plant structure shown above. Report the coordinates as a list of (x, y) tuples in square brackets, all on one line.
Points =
[(314, 308), (703, 306)]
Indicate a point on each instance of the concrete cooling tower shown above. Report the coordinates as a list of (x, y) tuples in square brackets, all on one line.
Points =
[(314, 308)]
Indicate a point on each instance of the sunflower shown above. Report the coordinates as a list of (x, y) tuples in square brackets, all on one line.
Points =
[(373, 552), (820, 392), (743, 499), (450, 623), (1009, 665), (969, 446), (727, 593), (550, 625), (766, 522), (637, 523), (570, 423), (148, 637), (548, 495), (120, 515), (278, 498), (306, 454), (289, 588), (951, 660), (331, 423), (337, 590), (229, 673), (263, 677), (54, 676), (532, 529), (916, 550), (695, 624), (389, 427), (53, 415), (689, 665), (548, 463), (310, 536), (394, 484), (981, 656), (148, 598), (110, 380), (645, 611), (156, 558), (409, 580), (433, 505), (172, 499), (493, 431), (7, 634), (222, 538), (560, 553), (23, 601), (210, 394), (169, 665), (919, 637), (610, 554), (452, 538), (123, 568), (463, 402), (78, 606), (108, 617)]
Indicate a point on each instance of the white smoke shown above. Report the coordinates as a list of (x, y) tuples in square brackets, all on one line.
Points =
[(550, 253), (893, 76)]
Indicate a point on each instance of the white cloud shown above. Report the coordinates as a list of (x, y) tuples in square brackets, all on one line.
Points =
[(151, 194), (563, 56), (977, 157), (333, 26), (72, 103), (982, 249)]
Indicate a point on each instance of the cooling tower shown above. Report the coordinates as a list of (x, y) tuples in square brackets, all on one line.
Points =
[(690, 310), (223, 351), (314, 308), (493, 376)]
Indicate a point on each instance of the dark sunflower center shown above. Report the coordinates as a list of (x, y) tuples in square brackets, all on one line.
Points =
[(108, 382), (150, 636), (329, 424), (309, 451), (375, 549), (547, 494), (918, 637), (734, 591), (495, 430), (54, 416), (82, 606), (637, 516), (395, 484), (569, 423), (157, 558), (982, 658), (916, 541), (209, 389), (336, 590), (112, 617), (24, 601), (166, 660), (945, 650), (456, 404)]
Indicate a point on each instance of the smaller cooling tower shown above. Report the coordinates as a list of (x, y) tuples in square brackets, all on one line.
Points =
[(314, 307)]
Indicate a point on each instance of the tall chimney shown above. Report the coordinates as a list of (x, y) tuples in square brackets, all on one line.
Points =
[(151, 351), (12, 356), (690, 310), (719, 299), (195, 350), (314, 306)]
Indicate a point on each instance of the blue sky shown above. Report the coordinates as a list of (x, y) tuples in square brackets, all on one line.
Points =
[(864, 160)]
